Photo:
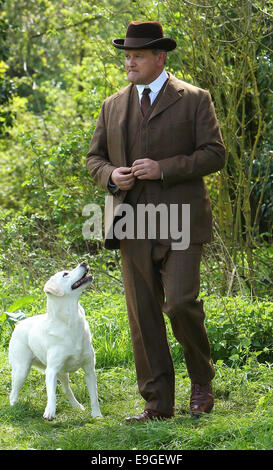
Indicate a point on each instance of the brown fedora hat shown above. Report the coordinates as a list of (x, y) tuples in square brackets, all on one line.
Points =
[(145, 35)]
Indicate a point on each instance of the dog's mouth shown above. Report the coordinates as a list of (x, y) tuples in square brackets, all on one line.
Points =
[(85, 278)]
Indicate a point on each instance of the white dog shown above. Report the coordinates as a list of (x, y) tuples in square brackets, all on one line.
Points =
[(58, 342)]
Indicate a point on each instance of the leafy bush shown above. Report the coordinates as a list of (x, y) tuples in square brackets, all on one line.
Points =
[(238, 327)]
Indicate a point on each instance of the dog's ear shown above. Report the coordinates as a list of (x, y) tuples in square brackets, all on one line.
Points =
[(50, 288)]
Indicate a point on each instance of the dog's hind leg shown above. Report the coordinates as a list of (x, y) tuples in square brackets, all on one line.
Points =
[(64, 379), (19, 375), (20, 358)]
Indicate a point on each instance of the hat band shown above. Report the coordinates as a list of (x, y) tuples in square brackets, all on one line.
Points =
[(133, 42)]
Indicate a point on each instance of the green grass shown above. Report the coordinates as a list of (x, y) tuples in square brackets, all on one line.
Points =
[(241, 420)]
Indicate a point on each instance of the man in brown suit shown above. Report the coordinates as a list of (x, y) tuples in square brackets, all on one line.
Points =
[(154, 147)]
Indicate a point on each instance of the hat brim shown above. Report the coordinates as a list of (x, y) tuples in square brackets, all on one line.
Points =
[(166, 44)]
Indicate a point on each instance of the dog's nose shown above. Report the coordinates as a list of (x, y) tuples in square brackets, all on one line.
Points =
[(84, 264)]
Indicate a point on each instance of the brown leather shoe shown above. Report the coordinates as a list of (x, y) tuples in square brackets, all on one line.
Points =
[(201, 400), (147, 415)]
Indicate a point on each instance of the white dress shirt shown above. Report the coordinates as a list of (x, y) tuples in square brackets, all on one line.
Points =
[(155, 86)]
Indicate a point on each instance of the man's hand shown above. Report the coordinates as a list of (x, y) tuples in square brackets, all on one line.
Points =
[(146, 169), (123, 178)]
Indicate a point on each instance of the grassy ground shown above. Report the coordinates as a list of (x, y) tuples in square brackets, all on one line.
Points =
[(242, 418)]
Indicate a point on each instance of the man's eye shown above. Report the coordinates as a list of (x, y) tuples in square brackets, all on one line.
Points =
[(65, 274)]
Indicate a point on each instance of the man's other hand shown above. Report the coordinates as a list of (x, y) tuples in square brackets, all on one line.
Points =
[(146, 169)]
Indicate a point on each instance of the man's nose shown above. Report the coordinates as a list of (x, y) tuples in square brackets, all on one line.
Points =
[(131, 62)]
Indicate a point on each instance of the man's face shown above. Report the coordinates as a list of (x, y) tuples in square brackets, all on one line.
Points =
[(142, 66)]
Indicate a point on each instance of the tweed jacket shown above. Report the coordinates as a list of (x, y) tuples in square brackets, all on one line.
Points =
[(182, 133)]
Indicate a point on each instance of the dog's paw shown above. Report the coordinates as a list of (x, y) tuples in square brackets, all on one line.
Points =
[(13, 397), (49, 413), (97, 414), (79, 406), (12, 401)]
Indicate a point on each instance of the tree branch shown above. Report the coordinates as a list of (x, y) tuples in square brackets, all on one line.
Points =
[(61, 28)]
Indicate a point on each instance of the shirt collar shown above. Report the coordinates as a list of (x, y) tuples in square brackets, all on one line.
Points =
[(156, 85)]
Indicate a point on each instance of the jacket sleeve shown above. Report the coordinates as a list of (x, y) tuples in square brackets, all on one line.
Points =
[(209, 154), (97, 160)]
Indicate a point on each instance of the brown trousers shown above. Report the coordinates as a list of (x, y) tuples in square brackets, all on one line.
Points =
[(158, 279)]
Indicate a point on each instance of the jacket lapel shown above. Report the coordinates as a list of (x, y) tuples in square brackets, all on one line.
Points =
[(173, 92)]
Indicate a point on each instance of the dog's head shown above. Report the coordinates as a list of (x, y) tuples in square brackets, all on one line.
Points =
[(69, 282)]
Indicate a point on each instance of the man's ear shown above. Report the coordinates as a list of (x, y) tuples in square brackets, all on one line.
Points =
[(51, 288)]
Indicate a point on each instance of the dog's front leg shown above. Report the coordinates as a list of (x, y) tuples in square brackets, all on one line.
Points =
[(91, 381), (51, 384)]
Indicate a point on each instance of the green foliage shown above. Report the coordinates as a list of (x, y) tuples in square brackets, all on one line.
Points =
[(107, 315), (58, 65), (240, 329)]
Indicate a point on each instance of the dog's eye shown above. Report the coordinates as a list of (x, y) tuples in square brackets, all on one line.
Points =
[(65, 274)]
